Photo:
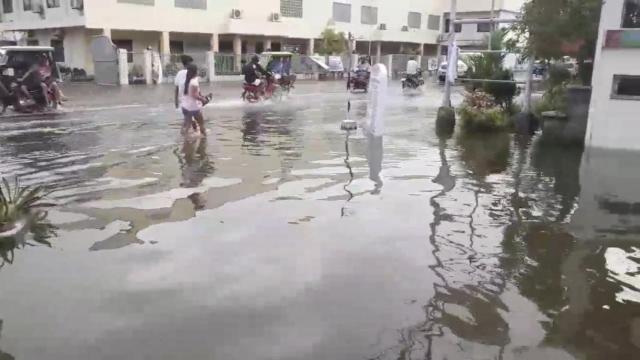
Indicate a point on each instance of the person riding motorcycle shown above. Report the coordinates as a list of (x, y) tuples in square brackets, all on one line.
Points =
[(414, 73), (252, 72)]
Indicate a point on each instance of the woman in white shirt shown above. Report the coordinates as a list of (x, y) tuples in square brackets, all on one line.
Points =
[(191, 101)]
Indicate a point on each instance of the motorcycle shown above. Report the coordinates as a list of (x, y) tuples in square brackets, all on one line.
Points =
[(268, 89), (413, 81), (286, 83), (13, 95), (359, 80)]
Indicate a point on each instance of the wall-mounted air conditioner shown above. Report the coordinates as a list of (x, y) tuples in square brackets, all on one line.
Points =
[(236, 14), (77, 5), (39, 9), (275, 17), (382, 27), (405, 28)]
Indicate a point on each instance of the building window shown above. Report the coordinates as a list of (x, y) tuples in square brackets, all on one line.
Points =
[(414, 20), (53, 4), (291, 8), (27, 5), (7, 6), (447, 25), (176, 47), (58, 50), (484, 27), (433, 23), (626, 87), (631, 14), (127, 45), (139, 2), (191, 4), (341, 12), (369, 15)]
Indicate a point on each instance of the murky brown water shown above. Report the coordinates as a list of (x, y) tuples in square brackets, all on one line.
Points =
[(269, 241)]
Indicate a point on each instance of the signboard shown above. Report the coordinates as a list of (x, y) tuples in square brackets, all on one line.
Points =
[(335, 64), (622, 39)]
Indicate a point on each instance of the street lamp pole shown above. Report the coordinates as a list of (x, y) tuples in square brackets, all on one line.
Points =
[(446, 101)]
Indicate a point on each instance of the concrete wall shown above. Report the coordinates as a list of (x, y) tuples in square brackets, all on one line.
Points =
[(613, 123)]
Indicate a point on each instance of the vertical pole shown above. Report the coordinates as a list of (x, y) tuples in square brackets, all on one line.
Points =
[(529, 86), (148, 66), (123, 67), (491, 24), (379, 52), (446, 101), (214, 43), (211, 65), (237, 52)]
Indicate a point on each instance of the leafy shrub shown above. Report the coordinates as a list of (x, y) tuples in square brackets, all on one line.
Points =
[(554, 99), (558, 75), (474, 119), (503, 93)]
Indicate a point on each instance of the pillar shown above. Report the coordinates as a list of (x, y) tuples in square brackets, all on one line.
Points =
[(106, 32), (165, 48), (379, 52), (237, 52), (251, 46), (311, 47), (211, 65), (214, 43), (123, 67), (148, 67), (421, 49), (388, 61), (267, 44)]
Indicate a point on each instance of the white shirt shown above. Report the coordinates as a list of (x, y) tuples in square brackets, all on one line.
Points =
[(188, 102), (412, 67), (181, 77)]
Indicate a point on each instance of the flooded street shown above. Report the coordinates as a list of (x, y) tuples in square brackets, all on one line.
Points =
[(279, 236)]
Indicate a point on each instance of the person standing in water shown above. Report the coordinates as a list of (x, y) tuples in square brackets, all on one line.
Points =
[(181, 76), (192, 101)]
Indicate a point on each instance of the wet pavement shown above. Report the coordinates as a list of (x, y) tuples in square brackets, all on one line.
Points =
[(280, 237)]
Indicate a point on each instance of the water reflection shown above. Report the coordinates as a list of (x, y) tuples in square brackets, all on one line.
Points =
[(37, 232), (195, 163)]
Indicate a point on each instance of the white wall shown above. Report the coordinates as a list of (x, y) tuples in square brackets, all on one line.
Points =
[(613, 123), (63, 16)]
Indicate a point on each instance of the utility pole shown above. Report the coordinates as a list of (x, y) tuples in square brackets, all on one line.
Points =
[(446, 101)]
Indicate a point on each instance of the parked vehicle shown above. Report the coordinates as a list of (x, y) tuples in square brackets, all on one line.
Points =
[(15, 63), (413, 81), (442, 70)]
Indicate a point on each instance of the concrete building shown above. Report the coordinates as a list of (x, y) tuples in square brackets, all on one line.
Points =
[(230, 26), (615, 99), (475, 36)]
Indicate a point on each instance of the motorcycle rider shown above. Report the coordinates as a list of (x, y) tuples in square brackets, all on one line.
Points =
[(413, 71), (252, 72)]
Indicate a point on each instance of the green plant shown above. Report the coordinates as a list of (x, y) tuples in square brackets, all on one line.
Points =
[(558, 75), (554, 99), (332, 42), (483, 120), (18, 201)]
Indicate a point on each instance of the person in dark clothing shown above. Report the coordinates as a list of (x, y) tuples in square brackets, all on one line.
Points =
[(252, 71)]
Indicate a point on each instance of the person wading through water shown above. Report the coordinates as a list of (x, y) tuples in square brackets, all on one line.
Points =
[(192, 101)]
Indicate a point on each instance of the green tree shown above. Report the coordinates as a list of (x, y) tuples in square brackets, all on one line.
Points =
[(556, 28), (332, 42)]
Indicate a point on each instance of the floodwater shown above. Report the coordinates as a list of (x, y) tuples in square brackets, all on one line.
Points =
[(282, 237)]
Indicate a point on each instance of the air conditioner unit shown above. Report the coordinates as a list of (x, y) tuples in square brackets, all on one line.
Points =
[(77, 5), (236, 14), (39, 9), (275, 17), (405, 28), (382, 27)]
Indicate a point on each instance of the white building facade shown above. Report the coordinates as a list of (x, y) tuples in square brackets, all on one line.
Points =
[(615, 100), (229, 26)]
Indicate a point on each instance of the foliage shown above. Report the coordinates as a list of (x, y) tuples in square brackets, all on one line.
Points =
[(332, 42), (18, 201), (554, 99), (489, 66), (558, 75), (479, 113), (553, 27)]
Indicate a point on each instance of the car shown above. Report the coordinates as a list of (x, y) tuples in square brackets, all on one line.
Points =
[(442, 70)]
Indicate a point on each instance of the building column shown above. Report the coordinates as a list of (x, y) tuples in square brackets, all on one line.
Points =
[(251, 46), (267, 45), (421, 49), (165, 44), (237, 52), (311, 47), (214, 43), (379, 52), (106, 32)]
